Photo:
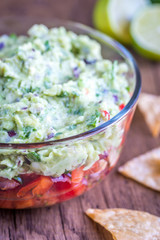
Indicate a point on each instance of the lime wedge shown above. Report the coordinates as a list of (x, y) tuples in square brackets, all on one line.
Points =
[(100, 17), (145, 32), (113, 17), (155, 1)]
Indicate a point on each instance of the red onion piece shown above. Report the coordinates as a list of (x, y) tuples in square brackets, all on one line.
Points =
[(90, 61), (2, 45), (6, 184), (76, 72), (12, 133), (51, 135)]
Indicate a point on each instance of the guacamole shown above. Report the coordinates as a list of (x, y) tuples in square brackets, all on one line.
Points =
[(55, 84)]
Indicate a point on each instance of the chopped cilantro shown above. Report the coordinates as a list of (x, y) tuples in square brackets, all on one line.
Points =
[(63, 94), (13, 36), (47, 45), (128, 89), (71, 127), (27, 131), (75, 94), (58, 133), (79, 111), (75, 50), (92, 120), (30, 89), (33, 156)]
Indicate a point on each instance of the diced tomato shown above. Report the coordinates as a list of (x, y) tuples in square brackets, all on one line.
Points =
[(6, 184), (24, 190), (73, 191), (62, 187), (106, 114), (67, 190), (64, 190), (44, 184), (37, 187), (79, 190), (50, 201), (93, 169), (6, 204), (77, 175), (98, 167), (20, 204), (121, 106)]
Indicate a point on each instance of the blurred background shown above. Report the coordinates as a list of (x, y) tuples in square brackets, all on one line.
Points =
[(76, 10)]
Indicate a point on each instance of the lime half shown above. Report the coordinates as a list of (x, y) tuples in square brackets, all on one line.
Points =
[(113, 17), (100, 17), (145, 32)]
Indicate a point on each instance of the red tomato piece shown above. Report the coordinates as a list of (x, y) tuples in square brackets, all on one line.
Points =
[(20, 204), (79, 190), (77, 175), (121, 106), (24, 190), (44, 184), (106, 115), (6, 204)]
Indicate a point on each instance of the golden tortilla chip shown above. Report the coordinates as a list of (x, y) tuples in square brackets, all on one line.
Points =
[(149, 105), (145, 169), (126, 224)]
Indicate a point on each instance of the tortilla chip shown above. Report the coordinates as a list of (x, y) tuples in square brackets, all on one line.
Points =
[(149, 105), (126, 224), (145, 169)]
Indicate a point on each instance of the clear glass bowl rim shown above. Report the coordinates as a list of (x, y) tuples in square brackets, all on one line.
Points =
[(126, 55)]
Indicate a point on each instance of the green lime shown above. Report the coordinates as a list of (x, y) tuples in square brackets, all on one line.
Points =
[(155, 1), (145, 32), (113, 17), (100, 17)]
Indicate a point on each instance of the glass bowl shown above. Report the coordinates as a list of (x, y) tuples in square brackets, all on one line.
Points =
[(102, 145)]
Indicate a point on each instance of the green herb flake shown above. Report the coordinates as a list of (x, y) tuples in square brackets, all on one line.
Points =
[(27, 131), (71, 127), (33, 156), (13, 36), (58, 133), (128, 89), (93, 119), (32, 90), (47, 45), (75, 94), (79, 111), (63, 94)]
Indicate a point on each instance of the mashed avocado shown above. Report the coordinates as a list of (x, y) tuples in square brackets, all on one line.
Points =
[(55, 84)]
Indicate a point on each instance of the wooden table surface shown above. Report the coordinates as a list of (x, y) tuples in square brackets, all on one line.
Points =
[(67, 221)]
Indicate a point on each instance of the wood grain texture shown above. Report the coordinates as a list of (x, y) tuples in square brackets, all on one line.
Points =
[(67, 221)]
